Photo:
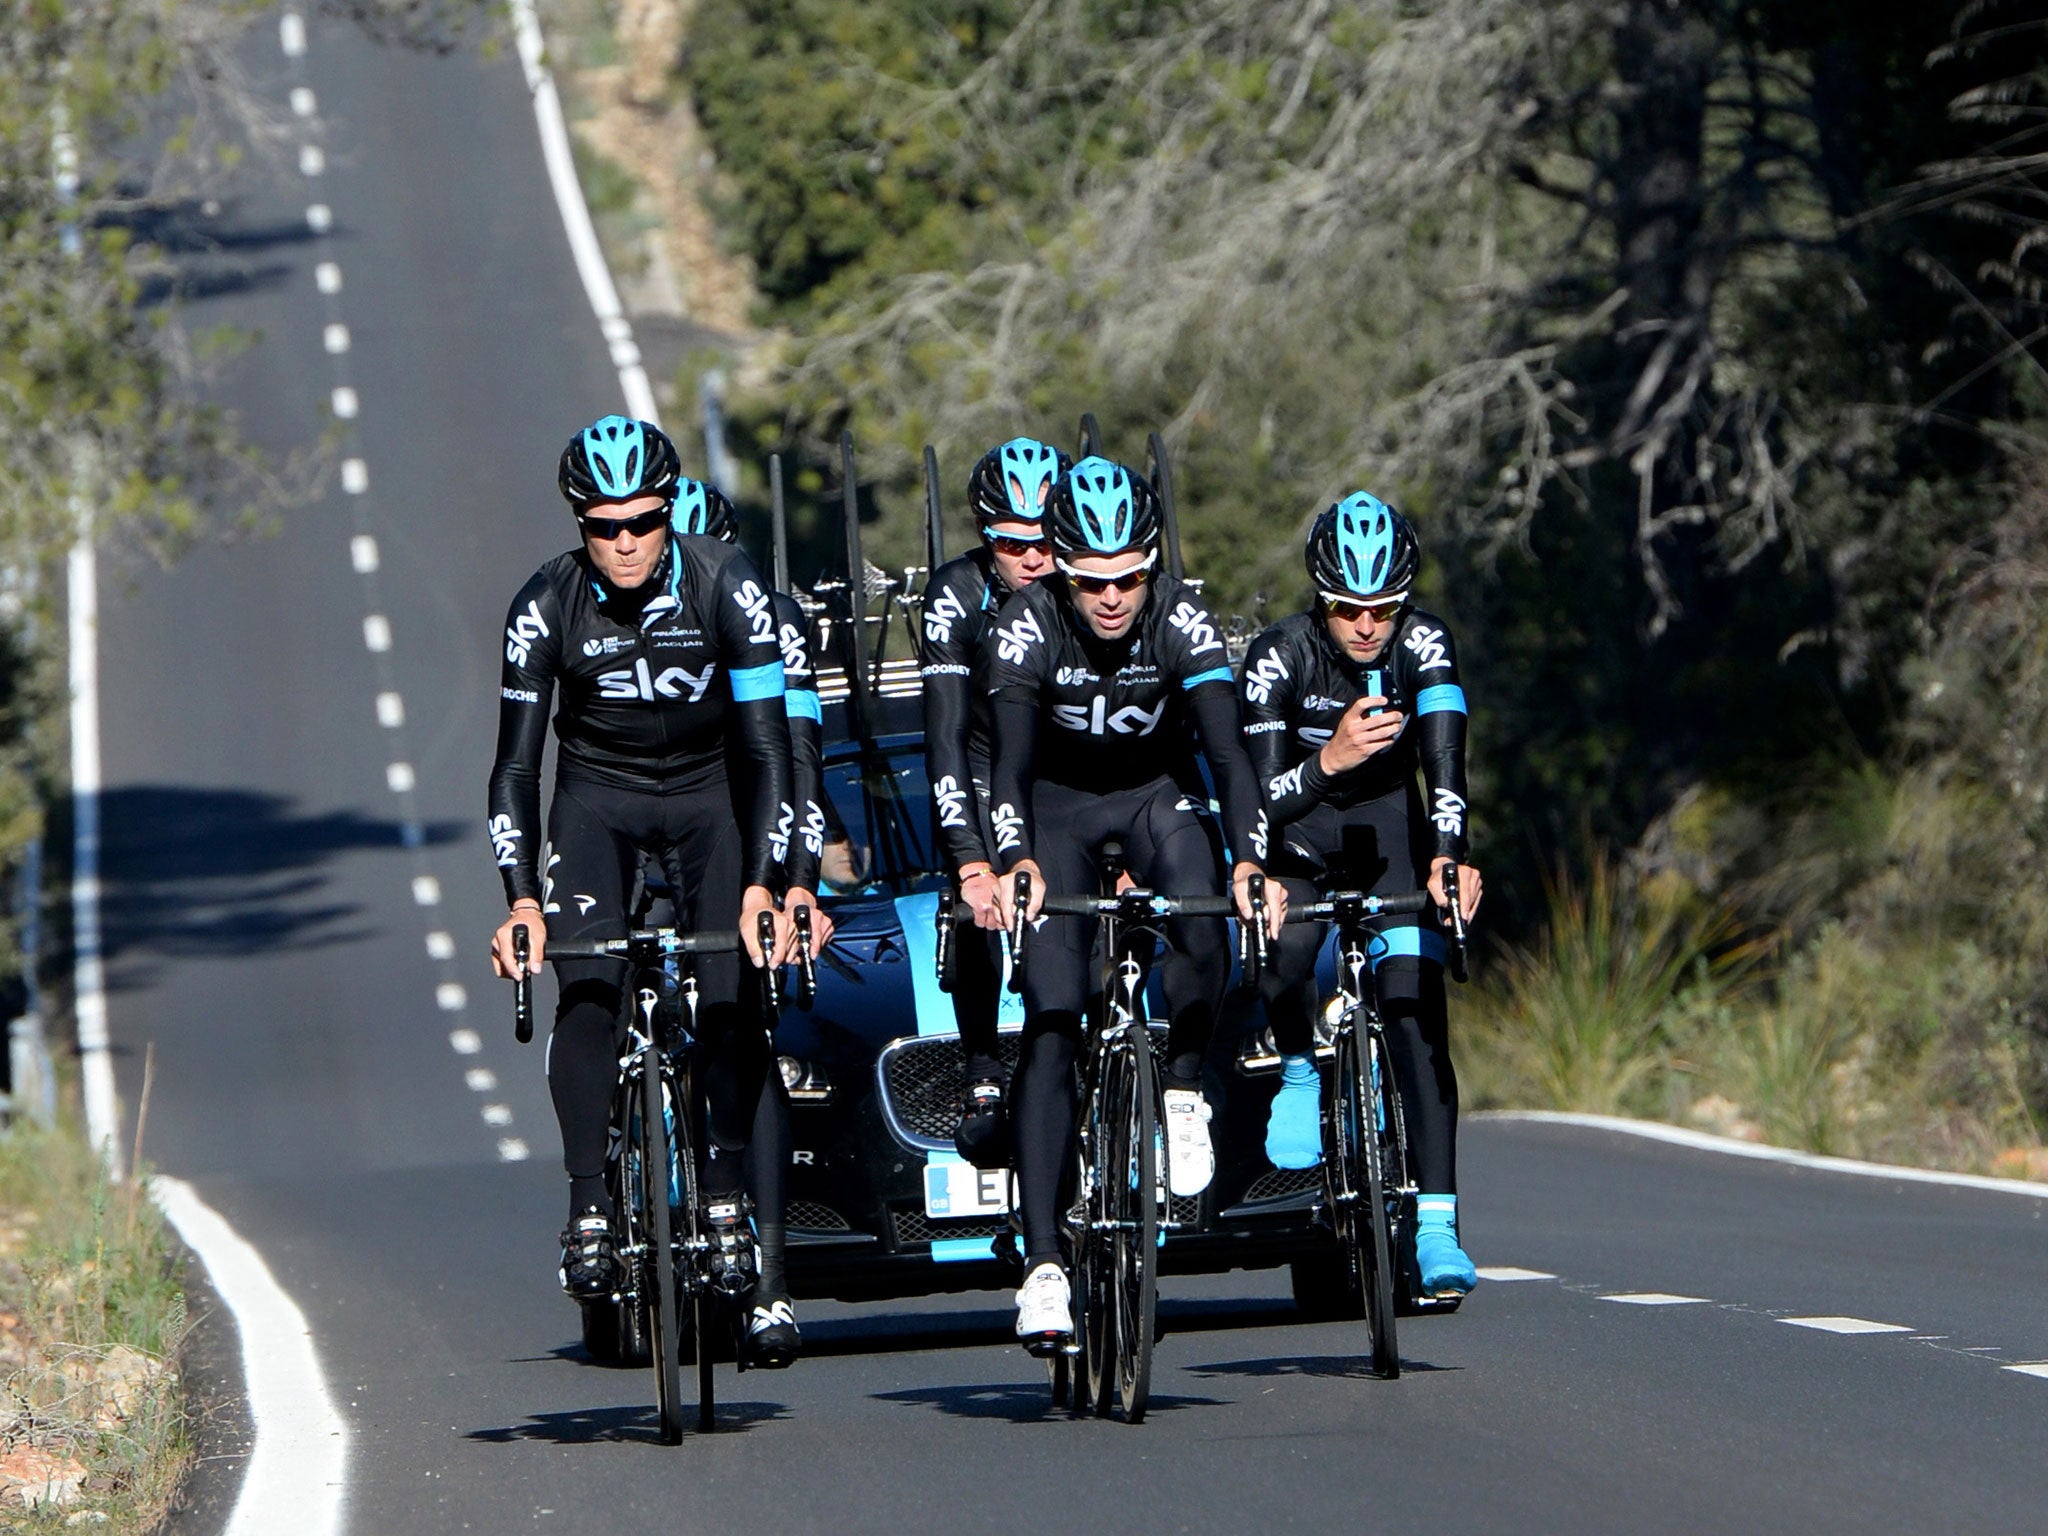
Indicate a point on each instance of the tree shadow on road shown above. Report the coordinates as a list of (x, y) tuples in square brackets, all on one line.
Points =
[(594, 1426)]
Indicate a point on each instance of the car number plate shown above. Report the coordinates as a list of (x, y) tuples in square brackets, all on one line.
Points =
[(954, 1187)]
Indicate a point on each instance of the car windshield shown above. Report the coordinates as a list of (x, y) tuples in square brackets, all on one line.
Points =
[(878, 825)]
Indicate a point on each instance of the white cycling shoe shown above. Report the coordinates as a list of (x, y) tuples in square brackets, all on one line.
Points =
[(1190, 1159), (1045, 1311)]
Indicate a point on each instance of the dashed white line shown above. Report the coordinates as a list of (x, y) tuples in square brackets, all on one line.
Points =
[(426, 891), (319, 218), (355, 476), (451, 997), (467, 1042), (334, 337), (362, 554), (291, 34), (312, 161), (376, 632), (390, 710), (345, 402), (1499, 1272), (1845, 1325), (327, 277), (440, 945), (303, 101), (481, 1080), (1655, 1299), (497, 1114), (512, 1150), (400, 777)]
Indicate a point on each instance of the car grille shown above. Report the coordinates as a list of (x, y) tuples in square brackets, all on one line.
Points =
[(809, 1216), (911, 1225), (921, 1082), (1281, 1182), (1185, 1211)]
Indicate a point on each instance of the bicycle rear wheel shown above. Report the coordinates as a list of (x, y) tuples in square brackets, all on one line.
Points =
[(658, 1275), (1094, 1374), (1135, 1236), (1364, 1223)]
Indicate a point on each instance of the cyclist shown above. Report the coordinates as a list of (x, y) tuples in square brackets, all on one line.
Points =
[(1341, 703), (773, 1337), (664, 650), (1097, 675), (1007, 491)]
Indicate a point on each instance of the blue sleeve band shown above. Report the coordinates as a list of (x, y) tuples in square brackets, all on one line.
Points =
[(1213, 675), (751, 683), (1444, 696), (1414, 943), (801, 701)]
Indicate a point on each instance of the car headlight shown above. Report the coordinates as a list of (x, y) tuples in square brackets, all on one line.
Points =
[(807, 1082)]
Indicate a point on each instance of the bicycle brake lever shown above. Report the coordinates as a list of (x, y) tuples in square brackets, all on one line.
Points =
[(942, 940), (1456, 959), (806, 962), (771, 977), (1021, 903), (1253, 934), (522, 986)]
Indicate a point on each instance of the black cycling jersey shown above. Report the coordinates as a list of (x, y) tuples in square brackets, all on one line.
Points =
[(1101, 716), (960, 602), (806, 742), (1296, 686), (642, 705)]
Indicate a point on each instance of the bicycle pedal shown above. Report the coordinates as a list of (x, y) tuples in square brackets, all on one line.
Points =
[(1048, 1346)]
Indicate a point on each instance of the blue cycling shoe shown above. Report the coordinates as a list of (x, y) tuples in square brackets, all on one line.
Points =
[(1294, 1129), (1445, 1269)]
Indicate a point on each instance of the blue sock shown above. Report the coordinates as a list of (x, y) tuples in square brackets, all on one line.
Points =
[(1444, 1266), (1294, 1129)]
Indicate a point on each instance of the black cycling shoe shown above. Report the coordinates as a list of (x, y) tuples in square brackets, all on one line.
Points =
[(983, 1135), (734, 1263), (773, 1339), (590, 1260)]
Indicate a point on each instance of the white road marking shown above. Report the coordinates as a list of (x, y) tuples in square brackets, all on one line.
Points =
[(327, 277), (426, 891), (390, 710), (440, 945), (467, 1042), (334, 337), (88, 967), (590, 263), (1845, 1325), (400, 777), (303, 101), (1700, 1141), (291, 34), (312, 160), (319, 218), (1509, 1272), (294, 1477), (512, 1150), (451, 997), (362, 554), (481, 1079), (497, 1114), (345, 402), (377, 632), (355, 476), (1655, 1299), (2029, 1368)]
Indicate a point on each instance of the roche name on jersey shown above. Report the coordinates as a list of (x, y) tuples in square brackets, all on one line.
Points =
[(518, 695)]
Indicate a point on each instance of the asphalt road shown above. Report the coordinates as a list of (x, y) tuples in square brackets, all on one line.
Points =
[(341, 1083)]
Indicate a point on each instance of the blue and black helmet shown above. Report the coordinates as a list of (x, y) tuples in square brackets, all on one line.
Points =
[(703, 509), (1102, 508), (618, 459), (1362, 546), (1013, 482)]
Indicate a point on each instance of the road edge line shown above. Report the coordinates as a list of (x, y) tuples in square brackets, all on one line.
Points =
[(591, 266), (1729, 1146), (295, 1477)]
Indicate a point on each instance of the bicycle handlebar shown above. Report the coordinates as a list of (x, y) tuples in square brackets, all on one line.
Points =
[(652, 943), (1339, 905), (806, 961)]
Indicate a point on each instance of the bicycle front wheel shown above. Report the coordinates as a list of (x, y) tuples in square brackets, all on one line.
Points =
[(658, 1276), (1136, 1230), (1363, 1137)]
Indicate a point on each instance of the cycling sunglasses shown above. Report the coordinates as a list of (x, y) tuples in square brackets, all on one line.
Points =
[(608, 528), (1012, 545), (1352, 609), (1123, 581)]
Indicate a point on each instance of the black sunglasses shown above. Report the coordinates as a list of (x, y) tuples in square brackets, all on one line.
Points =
[(639, 525)]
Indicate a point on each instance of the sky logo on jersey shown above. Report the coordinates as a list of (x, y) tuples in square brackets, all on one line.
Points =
[(796, 655), (942, 615), (1449, 814), (1428, 646), (1015, 639), (1259, 830), (778, 840), (524, 630), (1191, 621), (505, 841), (641, 684), (814, 828), (1315, 735), (1009, 826), (952, 801), (754, 604), (1096, 720), (1261, 680), (1288, 783)]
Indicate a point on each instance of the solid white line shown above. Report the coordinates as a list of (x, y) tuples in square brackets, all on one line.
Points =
[(89, 979), (1499, 1272), (1845, 1325), (1700, 1141), (1655, 1299), (293, 1481), (590, 263)]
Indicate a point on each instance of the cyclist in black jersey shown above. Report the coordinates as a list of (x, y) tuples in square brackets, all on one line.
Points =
[(1097, 676), (1342, 704), (1008, 491), (672, 740)]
